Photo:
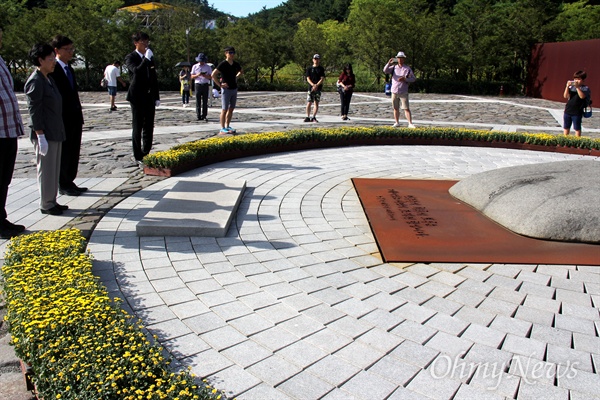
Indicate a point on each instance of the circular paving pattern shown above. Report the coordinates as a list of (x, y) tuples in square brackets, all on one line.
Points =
[(296, 303)]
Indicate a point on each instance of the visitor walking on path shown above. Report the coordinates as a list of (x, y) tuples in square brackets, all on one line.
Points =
[(228, 71), (112, 74), (402, 76), (11, 128), (201, 74), (345, 84), (186, 87), (577, 95), (315, 76), (142, 94)]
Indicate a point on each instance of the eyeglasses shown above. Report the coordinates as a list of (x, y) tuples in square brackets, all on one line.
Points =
[(70, 49)]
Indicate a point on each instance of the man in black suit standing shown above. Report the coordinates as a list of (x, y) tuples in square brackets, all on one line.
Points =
[(64, 76), (143, 94)]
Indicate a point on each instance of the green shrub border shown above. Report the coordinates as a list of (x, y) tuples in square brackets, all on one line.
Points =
[(201, 152)]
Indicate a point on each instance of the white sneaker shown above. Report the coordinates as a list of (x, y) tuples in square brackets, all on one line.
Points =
[(396, 125), (411, 126)]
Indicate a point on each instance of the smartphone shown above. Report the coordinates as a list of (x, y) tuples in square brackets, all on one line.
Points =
[(395, 61)]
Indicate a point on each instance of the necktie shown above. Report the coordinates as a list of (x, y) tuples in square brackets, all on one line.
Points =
[(69, 76)]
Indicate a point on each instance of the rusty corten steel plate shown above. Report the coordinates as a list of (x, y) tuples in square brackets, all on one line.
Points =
[(419, 221)]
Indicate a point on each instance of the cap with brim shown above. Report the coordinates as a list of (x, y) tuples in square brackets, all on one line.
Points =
[(400, 54), (316, 56), (201, 57)]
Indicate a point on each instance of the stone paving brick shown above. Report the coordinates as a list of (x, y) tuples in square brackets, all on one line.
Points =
[(275, 338), (382, 319), (310, 285), (216, 268), (388, 270), (321, 270), (302, 354), (592, 288), (334, 370), (251, 324), (402, 393), (360, 291), (437, 288), (503, 281), (277, 313), (263, 391), (584, 276), (448, 324), (329, 340), (532, 370), (222, 338), (281, 290), (414, 331), (177, 296), (246, 353), (203, 323), (252, 269), (364, 275), (540, 303), (489, 360), (511, 325), (546, 292), (380, 339), (414, 312), (189, 309), (559, 337), (579, 381), (216, 297), (589, 343), (500, 383), (423, 270), (203, 286), (466, 297), (410, 279), (444, 306), (524, 346), (466, 392), (449, 344), (474, 315), (238, 380), (330, 296), (425, 383), (570, 358), (306, 383), (497, 306), (345, 265), (300, 302), (301, 326), (471, 272), (378, 388), (385, 284), (414, 353), (484, 335), (509, 270), (360, 354), (242, 289), (448, 278), (511, 296), (259, 300), (274, 370), (186, 345), (155, 315), (534, 391), (354, 307), (567, 296), (534, 277), (266, 279), (535, 316), (567, 284), (233, 310), (578, 311), (574, 324), (574, 395), (208, 363), (350, 326), (384, 301)]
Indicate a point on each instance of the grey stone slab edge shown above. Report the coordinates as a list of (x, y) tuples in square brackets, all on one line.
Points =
[(194, 208)]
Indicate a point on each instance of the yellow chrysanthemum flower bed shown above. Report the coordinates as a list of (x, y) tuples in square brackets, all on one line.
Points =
[(191, 152), (77, 340)]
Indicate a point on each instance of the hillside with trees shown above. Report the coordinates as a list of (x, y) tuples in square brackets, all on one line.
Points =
[(453, 45)]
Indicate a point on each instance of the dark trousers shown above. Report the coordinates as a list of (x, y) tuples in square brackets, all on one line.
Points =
[(142, 127), (8, 156), (345, 97), (202, 100), (69, 159)]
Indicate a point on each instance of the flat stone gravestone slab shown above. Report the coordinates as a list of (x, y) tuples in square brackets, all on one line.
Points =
[(553, 201), (194, 208)]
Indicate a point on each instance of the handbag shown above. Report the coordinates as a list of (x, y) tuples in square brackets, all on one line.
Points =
[(104, 83), (587, 111)]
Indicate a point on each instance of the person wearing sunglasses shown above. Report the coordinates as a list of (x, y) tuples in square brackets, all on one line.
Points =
[(227, 71)]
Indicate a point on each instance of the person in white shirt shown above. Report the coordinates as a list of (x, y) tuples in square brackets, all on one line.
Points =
[(112, 74), (201, 74)]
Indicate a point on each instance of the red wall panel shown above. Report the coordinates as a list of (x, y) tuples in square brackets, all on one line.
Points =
[(553, 64)]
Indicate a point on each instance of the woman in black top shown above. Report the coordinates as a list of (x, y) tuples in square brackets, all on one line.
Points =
[(345, 86)]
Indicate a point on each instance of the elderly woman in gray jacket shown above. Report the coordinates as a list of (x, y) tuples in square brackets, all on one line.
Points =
[(47, 128)]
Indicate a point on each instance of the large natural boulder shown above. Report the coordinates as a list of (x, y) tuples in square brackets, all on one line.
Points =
[(554, 201)]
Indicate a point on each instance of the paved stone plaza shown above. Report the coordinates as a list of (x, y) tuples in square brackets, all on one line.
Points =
[(295, 302)]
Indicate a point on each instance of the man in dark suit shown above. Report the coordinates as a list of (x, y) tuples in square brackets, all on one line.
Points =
[(142, 94), (64, 76)]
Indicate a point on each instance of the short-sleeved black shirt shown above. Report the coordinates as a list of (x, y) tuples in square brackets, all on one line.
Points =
[(315, 74), (576, 104), (228, 73)]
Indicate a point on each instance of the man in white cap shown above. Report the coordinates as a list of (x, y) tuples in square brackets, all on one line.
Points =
[(201, 74), (402, 76)]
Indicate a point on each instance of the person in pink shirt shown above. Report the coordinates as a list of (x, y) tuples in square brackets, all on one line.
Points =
[(402, 76)]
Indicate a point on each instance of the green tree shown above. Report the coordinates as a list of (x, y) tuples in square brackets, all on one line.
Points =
[(336, 51), (578, 21), (308, 40)]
